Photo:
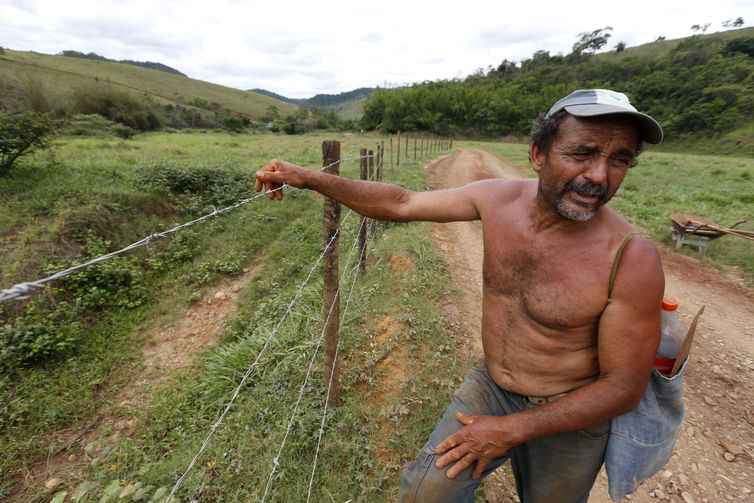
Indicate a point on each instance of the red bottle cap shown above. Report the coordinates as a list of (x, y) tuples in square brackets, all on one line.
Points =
[(669, 304)]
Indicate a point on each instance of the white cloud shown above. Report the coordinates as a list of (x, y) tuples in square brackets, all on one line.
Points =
[(302, 48)]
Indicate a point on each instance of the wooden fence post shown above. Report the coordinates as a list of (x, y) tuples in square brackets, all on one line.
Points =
[(406, 147), (370, 159), (451, 143), (364, 175), (391, 153), (414, 147), (382, 158), (379, 163), (398, 156), (331, 213)]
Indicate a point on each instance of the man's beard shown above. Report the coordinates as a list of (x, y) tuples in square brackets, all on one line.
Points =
[(576, 211)]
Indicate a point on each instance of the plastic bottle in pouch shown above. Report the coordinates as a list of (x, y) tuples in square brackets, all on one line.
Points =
[(672, 334)]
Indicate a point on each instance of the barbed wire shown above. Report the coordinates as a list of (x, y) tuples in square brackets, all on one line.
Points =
[(25, 289), (276, 459), (253, 365), (332, 373)]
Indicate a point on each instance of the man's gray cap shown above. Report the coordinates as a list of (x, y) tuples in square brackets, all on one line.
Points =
[(594, 102)]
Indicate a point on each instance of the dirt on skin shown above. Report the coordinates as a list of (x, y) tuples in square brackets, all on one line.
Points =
[(170, 345), (714, 458)]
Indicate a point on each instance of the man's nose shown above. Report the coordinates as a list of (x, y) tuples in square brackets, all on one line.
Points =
[(597, 171)]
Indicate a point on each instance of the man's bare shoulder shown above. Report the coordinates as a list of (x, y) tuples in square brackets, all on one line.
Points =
[(500, 191), (640, 274)]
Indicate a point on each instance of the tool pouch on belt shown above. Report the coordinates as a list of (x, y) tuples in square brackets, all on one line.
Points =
[(642, 440)]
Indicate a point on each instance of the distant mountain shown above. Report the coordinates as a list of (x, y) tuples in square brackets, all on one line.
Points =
[(322, 100), (144, 64), (265, 92)]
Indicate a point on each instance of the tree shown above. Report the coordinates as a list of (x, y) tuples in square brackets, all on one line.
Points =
[(733, 23), (21, 134), (660, 38), (700, 28), (592, 41), (620, 47)]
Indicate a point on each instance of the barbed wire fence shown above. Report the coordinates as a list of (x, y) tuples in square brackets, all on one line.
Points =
[(372, 168)]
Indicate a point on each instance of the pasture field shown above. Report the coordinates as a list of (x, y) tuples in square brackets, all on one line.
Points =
[(719, 188), (92, 195)]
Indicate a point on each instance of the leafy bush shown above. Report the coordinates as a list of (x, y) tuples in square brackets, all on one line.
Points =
[(30, 342), (124, 132), (212, 185), (115, 283), (742, 45), (118, 106), (20, 134)]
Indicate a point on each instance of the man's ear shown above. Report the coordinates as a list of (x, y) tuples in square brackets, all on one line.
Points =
[(536, 157)]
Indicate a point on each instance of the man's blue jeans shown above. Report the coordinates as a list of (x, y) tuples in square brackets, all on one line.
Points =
[(556, 469)]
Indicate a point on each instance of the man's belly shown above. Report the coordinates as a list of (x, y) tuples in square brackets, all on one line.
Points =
[(533, 361)]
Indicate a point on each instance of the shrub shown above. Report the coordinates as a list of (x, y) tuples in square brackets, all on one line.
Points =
[(31, 342), (117, 282), (124, 132), (117, 106), (20, 134), (212, 185)]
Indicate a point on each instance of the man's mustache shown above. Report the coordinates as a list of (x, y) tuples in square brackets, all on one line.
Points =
[(587, 189)]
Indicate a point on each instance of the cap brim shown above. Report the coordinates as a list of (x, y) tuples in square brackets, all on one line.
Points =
[(651, 130)]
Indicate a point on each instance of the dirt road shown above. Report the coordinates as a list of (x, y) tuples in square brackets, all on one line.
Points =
[(714, 459)]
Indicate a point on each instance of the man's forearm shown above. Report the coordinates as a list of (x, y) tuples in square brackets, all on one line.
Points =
[(592, 404), (376, 200)]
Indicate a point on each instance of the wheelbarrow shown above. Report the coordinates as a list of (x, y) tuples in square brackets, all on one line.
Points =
[(699, 232)]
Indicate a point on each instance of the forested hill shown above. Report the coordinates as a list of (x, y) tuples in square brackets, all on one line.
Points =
[(322, 100), (700, 88)]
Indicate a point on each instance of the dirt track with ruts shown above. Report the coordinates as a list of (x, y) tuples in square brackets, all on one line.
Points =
[(714, 458)]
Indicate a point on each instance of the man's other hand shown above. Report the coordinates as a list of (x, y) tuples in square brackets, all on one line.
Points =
[(275, 174), (482, 440)]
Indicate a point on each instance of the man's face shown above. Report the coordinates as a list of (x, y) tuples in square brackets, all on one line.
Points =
[(587, 161)]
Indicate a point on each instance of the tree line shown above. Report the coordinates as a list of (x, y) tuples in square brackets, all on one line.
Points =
[(703, 85)]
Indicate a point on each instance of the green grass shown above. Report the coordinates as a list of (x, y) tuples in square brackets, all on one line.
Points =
[(92, 184), (718, 188), (60, 75)]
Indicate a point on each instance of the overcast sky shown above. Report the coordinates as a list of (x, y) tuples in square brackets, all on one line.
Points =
[(302, 48)]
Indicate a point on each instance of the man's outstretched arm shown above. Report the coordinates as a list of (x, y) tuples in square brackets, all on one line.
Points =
[(381, 201)]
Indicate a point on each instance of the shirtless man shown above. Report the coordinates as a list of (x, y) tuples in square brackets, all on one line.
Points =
[(562, 355)]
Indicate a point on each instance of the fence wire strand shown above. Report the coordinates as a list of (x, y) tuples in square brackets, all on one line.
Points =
[(254, 364), (25, 289), (357, 270), (276, 459)]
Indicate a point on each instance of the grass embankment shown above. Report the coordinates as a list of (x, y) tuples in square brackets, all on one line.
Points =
[(398, 366), (59, 75), (719, 188)]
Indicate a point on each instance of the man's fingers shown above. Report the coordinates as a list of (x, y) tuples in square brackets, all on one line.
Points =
[(463, 418), (481, 464), (461, 465), (448, 443), (451, 456)]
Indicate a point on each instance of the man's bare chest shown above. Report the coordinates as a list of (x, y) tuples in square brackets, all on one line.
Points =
[(560, 284)]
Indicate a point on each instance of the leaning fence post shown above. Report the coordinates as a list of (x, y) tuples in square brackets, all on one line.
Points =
[(364, 175), (331, 161)]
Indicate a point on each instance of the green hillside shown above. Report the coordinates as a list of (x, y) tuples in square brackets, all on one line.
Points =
[(700, 88), (59, 76)]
